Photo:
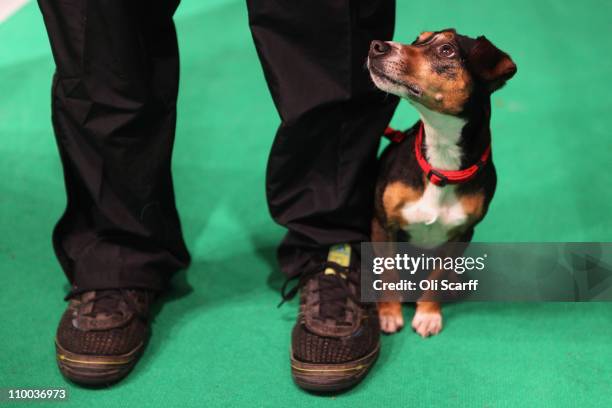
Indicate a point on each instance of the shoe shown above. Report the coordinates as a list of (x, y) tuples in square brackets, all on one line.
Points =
[(102, 335), (336, 338)]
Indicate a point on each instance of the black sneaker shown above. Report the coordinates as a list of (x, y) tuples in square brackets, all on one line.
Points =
[(336, 338), (102, 335)]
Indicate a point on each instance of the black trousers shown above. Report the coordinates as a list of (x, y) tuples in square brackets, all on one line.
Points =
[(114, 113), (322, 167)]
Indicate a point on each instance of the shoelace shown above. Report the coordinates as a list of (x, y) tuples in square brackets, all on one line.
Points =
[(333, 289), (108, 301)]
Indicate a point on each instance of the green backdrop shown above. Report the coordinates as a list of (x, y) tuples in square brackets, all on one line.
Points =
[(219, 339)]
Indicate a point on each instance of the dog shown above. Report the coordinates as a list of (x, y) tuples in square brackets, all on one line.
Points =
[(436, 184)]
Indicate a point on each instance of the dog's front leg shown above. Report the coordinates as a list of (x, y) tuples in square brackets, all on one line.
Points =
[(390, 312), (427, 320)]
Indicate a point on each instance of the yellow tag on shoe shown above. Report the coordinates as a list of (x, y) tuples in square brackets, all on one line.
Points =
[(340, 254)]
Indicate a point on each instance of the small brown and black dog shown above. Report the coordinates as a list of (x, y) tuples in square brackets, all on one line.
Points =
[(436, 184)]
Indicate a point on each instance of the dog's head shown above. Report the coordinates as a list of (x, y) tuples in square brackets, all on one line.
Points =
[(441, 70)]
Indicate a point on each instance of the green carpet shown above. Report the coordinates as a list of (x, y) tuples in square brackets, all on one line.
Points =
[(219, 340)]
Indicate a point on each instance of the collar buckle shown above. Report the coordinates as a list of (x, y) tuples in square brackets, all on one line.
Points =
[(441, 180)]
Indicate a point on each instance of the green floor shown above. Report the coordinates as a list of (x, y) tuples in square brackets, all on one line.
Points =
[(220, 340)]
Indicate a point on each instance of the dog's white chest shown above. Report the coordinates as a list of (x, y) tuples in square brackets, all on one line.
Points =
[(429, 219)]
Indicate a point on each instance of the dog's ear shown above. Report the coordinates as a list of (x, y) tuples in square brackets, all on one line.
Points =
[(493, 66)]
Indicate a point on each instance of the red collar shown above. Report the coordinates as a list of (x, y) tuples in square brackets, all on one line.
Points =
[(437, 176)]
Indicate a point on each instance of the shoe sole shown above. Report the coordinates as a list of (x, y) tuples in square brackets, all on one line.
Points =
[(332, 377), (96, 370)]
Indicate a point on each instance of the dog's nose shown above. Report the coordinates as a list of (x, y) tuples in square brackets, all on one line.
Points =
[(378, 48)]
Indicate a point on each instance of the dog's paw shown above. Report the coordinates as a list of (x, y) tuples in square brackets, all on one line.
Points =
[(391, 323), (427, 323), (390, 317)]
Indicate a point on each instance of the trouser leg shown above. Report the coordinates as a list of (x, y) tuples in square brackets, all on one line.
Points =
[(114, 113), (322, 167)]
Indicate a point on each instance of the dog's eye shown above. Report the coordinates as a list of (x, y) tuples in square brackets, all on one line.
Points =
[(446, 50)]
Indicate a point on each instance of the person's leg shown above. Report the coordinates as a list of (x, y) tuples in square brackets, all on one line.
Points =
[(322, 169), (322, 166), (114, 112)]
